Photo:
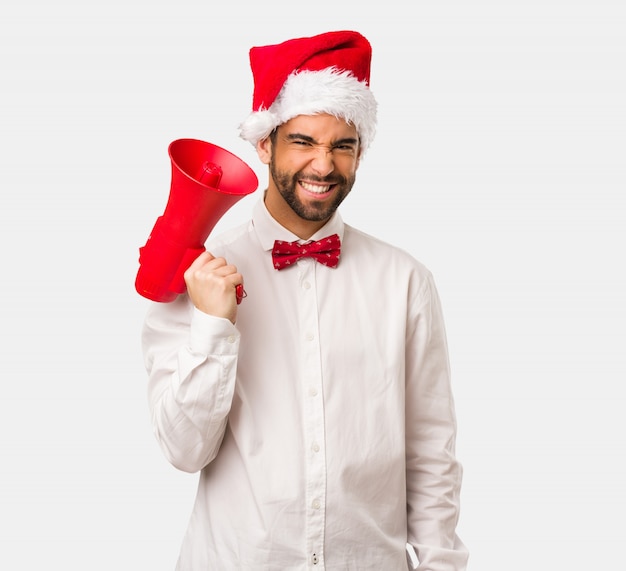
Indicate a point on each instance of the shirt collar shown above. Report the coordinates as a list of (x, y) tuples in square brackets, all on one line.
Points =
[(268, 229)]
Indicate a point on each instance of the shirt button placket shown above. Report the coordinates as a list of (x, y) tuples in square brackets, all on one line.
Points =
[(311, 372)]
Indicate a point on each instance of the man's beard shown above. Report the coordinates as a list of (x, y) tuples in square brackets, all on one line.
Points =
[(314, 211)]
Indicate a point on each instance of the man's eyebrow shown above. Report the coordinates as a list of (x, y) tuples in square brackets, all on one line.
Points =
[(346, 141), (309, 139), (300, 137)]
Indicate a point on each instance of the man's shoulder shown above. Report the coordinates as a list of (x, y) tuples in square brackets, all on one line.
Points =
[(366, 244)]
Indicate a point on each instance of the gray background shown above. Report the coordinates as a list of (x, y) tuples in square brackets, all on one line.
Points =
[(499, 162)]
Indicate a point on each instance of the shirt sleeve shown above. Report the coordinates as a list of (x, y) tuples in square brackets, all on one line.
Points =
[(433, 472), (191, 360)]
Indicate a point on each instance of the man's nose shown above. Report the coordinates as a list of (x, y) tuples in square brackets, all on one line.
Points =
[(323, 162)]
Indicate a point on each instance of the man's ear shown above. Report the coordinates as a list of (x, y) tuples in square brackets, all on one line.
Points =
[(264, 150)]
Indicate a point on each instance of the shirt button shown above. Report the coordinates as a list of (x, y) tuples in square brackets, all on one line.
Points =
[(316, 447), (306, 285), (231, 338), (313, 391), (314, 559), (316, 504), (309, 336)]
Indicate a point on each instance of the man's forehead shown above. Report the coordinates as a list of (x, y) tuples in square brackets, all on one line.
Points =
[(319, 127)]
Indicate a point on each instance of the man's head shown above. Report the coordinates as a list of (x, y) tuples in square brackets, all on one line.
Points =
[(313, 117), (328, 73)]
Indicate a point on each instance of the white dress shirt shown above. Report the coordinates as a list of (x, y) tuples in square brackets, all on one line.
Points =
[(322, 423)]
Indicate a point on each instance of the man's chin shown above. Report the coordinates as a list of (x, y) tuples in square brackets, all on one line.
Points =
[(313, 214)]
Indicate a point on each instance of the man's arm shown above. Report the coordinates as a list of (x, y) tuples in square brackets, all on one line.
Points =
[(191, 360), (433, 472)]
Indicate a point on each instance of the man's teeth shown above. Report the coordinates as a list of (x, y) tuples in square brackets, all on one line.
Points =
[(316, 188)]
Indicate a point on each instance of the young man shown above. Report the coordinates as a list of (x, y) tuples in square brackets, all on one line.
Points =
[(318, 412)]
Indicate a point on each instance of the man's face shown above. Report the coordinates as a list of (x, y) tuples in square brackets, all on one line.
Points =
[(312, 161)]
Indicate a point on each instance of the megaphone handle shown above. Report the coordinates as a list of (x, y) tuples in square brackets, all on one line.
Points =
[(178, 281)]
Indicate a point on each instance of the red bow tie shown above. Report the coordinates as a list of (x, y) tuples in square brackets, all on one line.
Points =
[(326, 251)]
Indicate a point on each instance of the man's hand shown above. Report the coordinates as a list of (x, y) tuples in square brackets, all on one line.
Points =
[(211, 285)]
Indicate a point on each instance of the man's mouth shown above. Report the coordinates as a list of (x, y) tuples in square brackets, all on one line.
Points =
[(316, 188)]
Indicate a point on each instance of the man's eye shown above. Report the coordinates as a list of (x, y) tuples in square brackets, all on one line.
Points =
[(344, 148)]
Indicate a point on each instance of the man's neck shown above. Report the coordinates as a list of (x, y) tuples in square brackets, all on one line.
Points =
[(286, 217)]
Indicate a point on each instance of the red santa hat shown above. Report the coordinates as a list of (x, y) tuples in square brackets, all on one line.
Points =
[(327, 73)]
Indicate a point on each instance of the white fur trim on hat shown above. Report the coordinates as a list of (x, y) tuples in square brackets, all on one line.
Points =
[(330, 91)]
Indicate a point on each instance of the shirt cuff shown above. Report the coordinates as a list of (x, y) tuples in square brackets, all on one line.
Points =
[(210, 335)]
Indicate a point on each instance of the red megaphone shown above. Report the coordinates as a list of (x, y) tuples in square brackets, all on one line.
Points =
[(206, 181)]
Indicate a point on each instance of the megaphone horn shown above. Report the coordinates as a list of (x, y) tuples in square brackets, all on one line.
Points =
[(206, 181)]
